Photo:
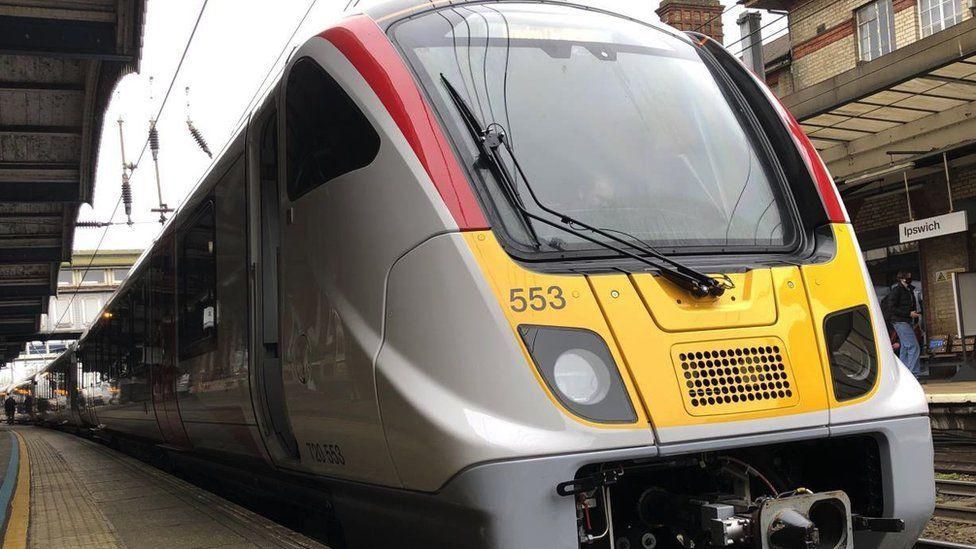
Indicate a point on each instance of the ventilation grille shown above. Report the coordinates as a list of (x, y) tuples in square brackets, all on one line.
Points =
[(723, 377)]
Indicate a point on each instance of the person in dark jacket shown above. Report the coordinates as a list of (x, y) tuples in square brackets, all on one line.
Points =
[(10, 407), (903, 309)]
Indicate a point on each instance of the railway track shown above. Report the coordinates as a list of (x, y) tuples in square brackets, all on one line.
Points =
[(959, 513), (960, 488), (936, 544), (956, 511), (965, 468)]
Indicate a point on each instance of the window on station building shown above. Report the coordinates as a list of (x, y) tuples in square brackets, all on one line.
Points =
[(327, 136), (65, 277), (60, 311), (90, 306), (875, 30), (937, 15), (197, 284), (120, 275), (93, 276)]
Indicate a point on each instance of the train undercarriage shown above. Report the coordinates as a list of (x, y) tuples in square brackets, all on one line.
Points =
[(794, 496)]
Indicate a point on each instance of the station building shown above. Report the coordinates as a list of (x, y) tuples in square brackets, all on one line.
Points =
[(84, 286), (886, 90)]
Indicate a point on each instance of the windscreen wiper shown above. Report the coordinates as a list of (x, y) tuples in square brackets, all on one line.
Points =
[(491, 138)]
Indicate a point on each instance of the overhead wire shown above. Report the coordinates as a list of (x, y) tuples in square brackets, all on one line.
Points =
[(792, 22), (159, 112), (715, 17), (257, 91)]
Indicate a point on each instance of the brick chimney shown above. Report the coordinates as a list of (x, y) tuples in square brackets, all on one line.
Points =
[(704, 16)]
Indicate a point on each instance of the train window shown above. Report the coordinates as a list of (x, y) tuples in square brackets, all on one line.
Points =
[(197, 292), (326, 134), (625, 126)]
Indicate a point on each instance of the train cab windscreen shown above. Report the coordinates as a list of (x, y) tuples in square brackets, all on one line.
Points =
[(621, 125)]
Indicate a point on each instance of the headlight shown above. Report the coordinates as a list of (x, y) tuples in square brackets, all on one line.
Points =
[(580, 371), (853, 354), (581, 376)]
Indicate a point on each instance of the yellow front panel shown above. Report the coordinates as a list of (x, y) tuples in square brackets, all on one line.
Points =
[(836, 286), (750, 303), (531, 298), (648, 350), (649, 324)]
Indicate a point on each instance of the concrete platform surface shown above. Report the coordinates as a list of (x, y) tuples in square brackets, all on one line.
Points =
[(60, 490), (950, 392)]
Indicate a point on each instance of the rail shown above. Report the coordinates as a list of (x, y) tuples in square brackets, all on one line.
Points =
[(937, 544), (961, 488)]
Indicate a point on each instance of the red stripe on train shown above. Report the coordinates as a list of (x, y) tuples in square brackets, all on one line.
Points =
[(362, 41)]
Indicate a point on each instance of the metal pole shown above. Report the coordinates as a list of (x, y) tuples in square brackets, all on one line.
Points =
[(126, 186), (908, 197), (122, 144), (945, 163)]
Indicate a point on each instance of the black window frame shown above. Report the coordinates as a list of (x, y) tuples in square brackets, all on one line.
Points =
[(356, 153)]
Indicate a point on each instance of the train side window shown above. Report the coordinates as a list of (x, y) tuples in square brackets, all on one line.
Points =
[(197, 291), (326, 134)]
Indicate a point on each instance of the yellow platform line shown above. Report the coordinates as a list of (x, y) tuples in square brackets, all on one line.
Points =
[(16, 535)]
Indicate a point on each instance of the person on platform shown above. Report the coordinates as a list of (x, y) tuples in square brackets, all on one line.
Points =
[(904, 311), (10, 407)]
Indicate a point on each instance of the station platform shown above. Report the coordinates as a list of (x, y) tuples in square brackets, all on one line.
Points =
[(950, 392), (61, 490)]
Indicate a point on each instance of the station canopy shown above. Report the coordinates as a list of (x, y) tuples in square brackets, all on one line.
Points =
[(905, 106), (59, 63)]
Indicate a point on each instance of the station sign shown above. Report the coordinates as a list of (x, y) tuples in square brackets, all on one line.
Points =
[(931, 227)]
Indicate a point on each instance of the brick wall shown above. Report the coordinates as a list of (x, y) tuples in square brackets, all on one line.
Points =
[(780, 81), (806, 17), (906, 25), (940, 254), (963, 183), (824, 35), (704, 16), (879, 213), (828, 61)]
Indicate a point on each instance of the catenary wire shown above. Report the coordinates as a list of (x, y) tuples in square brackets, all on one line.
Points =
[(257, 91), (792, 22), (115, 210)]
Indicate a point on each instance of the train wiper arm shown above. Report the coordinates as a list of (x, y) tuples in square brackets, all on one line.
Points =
[(491, 138), (475, 129)]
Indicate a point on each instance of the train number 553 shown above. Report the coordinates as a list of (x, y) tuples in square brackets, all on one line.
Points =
[(536, 298)]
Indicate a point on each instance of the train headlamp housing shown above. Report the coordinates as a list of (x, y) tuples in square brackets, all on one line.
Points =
[(579, 370), (852, 351)]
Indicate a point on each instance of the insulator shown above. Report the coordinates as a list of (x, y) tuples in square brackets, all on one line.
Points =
[(91, 224), (198, 137), (154, 139), (127, 199)]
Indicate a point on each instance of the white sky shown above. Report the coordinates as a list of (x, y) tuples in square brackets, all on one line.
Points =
[(236, 43)]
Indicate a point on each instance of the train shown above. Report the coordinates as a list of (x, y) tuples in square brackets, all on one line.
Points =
[(519, 273)]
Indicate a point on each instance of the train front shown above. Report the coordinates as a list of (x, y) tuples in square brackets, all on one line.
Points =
[(669, 338)]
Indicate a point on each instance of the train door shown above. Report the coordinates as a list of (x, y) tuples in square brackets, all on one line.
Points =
[(266, 378), (161, 352), (330, 281), (86, 377), (73, 376)]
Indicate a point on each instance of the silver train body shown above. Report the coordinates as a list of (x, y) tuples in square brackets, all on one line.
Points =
[(337, 304)]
